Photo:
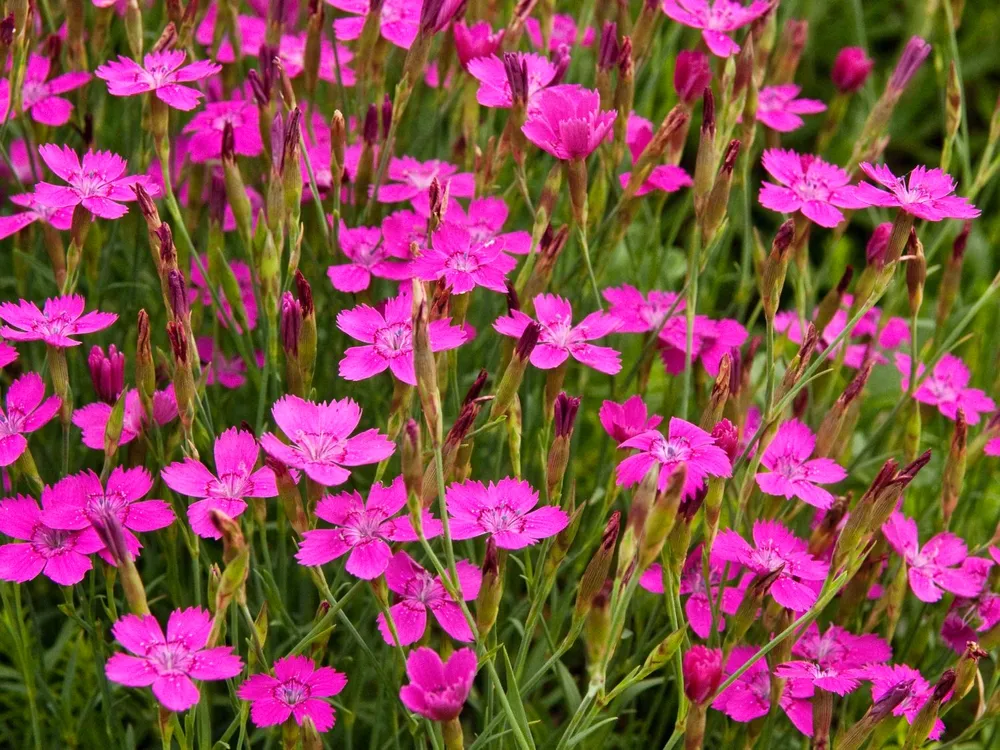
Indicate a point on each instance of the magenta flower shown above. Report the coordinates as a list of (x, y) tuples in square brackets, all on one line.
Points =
[(7, 354), (851, 69), (942, 564), (711, 340), (485, 219), (295, 690), (749, 697), (80, 501), (791, 473), (560, 339), (775, 549), (564, 32), (170, 663), (628, 419), (667, 178), (389, 339), (60, 555), (410, 178), (199, 291), (889, 677), (835, 661), (692, 75), (364, 529), (218, 368), (494, 86), (686, 444), (702, 672), (807, 184), (835, 678), (40, 96), (59, 319), (399, 20), (567, 121), (401, 228), (206, 129), (60, 218), (778, 108), (716, 19), (161, 72), (928, 194), (992, 447), (369, 256), (438, 690), (462, 263), (478, 40), (321, 444), (236, 455), (967, 617), (26, 412), (946, 388), (638, 314), (419, 591), (97, 184), (93, 418), (503, 511)]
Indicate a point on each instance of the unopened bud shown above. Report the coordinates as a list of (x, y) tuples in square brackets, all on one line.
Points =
[(775, 268), (107, 373), (661, 518), (491, 590), (954, 468)]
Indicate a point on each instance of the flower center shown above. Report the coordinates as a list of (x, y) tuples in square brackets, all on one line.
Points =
[(463, 261), (291, 692), (321, 447), (394, 340), (232, 484), (104, 505), (50, 542), (11, 423), (501, 518), (171, 658), (673, 451)]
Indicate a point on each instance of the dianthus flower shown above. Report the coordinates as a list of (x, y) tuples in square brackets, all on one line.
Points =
[(711, 340), (564, 32), (40, 96), (399, 20), (93, 418), (206, 129), (25, 413), (946, 388), (968, 617), (886, 678), (835, 661), (851, 69), (791, 473), (484, 220), (749, 697), (199, 290), (462, 263), (503, 511), (369, 256), (477, 40), (236, 453), (928, 194), (807, 184), (639, 314), (567, 121), (418, 591), (409, 178), (702, 668), (665, 177), (778, 108), (60, 218), (628, 419), (56, 323), (716, 19), (438, 690), (218, 368), (161, 72), (494, 86), (294, 691)]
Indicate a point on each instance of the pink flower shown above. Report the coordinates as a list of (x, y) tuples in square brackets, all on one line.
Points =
[(295, 690), (478, 40), (665, 177), (778, 108), (692, 75), (839, 647), (206, 129), (878, 243), (462, 263), (567, 121), (41, 96), (942, 564), (93, 418), (628, 419), (419, 591), (711, 340), (775, 549), (369, 256), (888, 677), (560, 339), (60, 218), (7, 354), (364, 530), (438, 690), (399, 20), (967, 617), (160, 72), (716, 20), (564, 32), (236, 455), (229, 373), (835, 678), (389, 339), (80, 501), (26, 412), (321, 443), (60, 555), (685, 445), (702, 672), (484, 221), (749, 697), (58, 320), (928, 194), (851, 69), (410, 178), (199, 291), (790, 471), (494, 86), (638, 314), (170, 663), (503, 511), (807, 184), (945, 388), (992, 447)]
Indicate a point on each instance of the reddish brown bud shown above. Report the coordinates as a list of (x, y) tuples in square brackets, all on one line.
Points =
[(304, 292), (178, 341), (476, 389), (527, 341), (177, 294)]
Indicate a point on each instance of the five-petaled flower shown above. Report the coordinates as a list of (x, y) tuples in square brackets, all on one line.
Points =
[(716, 19), (567, 121), (463, 263), (206, 129), (886, 678), (409, 178), (437, 690), (369, 255), (628, 419), (93, 418), (60, 218), (928, 194), (56, 323), (503, 511), (494, 87), (294, 691), (947, 388), (41, 96), (26, 412), (779, 109), (791, 473), (161, 72), (808, 184)]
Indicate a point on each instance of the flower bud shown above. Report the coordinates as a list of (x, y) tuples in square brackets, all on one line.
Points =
[(597, 628), (107, 373), (954, 468), (692, 75), (491, 590), (291, 324), (916, 273), (514, 374), (914, 54), (877, 244), (565, 410), (789, 52), (828, 435), (707, 157), (720, 394), (831, 303), (746, 613), (338, 144), (856, 736), (851, 69), (927, 717), (661, 519), (718, 199), (426, 370), (177, 295), (702, 669), (288, 493), (775, 268), (597, 569), (642, 502), (951, 277), (145, 372), (236, 556)]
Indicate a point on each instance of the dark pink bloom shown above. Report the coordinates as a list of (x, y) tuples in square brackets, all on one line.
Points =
[(484, 220), (711, 340), (162, 72), (463, 263), (59, 319), (399, 20), (93, 418), (628, 419), (992, 447), (438, 690), (369, 256), (807, 184), (851, 69), (7, 354), (206, 129), (928, 194), (778, 108), (494, 87), (638, 314), (835, 661), (564, 32), (60, 218), (914, 54), (567, 121), (791, 473), (749, 697), (775, 549), (560, 339), (364, 529), (503, 511), (295, 690), (170, 663), (321, 444), (716, 19), (40, 96), (26, 412), (478, 40), (665, 177), (389, 339), (419, 591), (969, 616), (702, 672), (236, 455), (878, 243), (946, 388), (888, 677), (692, 75), (218, 368), (686, 444), (80, 501), (942, 564), (401, 228), (199, 291), (409, 178), (107, 373), (60, 555)]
